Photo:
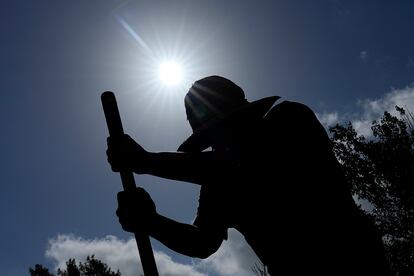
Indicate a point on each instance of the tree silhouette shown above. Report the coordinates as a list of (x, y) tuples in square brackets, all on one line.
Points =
[(39, 270), (380, 170), (92, 267)]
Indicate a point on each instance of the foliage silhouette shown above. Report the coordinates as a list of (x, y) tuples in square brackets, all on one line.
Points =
[(92, 267), (380, 170), (39, 270)]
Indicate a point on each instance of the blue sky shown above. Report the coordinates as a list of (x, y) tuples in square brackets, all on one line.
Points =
[(345, 59)]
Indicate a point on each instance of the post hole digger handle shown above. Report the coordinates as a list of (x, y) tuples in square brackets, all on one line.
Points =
[(114, 123)]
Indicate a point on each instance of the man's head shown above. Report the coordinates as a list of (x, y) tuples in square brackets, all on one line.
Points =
[(217, 111), (212, 98)]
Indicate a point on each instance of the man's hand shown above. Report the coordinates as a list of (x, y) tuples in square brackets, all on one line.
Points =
[(136, 210), (126, 154)]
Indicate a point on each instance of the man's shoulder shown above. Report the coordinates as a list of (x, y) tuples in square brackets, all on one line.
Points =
[(289, 110)]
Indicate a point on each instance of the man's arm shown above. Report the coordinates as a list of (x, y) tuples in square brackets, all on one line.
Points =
[(136, 211), (186, 239), (198, 167)]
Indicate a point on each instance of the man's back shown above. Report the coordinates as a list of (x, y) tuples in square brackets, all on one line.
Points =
[(294, 206)]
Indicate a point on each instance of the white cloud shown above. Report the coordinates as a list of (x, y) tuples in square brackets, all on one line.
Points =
[(370, 110), (401, 97), (118, 254), (328, 118), (363, 127), (234, 257), (374, 109)]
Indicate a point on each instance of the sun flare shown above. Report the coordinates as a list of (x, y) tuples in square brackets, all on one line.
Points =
[(170, 73)]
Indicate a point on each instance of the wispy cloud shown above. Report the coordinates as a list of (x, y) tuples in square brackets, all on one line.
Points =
[(234, 257), (368, 110), (363, 55), (410, 62)]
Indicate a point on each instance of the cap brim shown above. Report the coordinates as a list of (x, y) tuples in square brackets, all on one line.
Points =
[(200, 140)]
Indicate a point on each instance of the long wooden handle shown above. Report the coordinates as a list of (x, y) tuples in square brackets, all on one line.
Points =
[(113, 120)]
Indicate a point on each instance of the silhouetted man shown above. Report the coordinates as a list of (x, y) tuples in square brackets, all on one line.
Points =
[(265, 169)]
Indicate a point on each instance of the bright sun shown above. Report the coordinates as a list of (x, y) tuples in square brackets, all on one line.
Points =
[(170, 73)]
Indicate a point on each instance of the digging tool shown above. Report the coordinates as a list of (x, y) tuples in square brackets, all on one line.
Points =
[(113, 120)]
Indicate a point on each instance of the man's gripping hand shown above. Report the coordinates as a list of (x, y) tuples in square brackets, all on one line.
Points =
[(136, 210), (126, 154)]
